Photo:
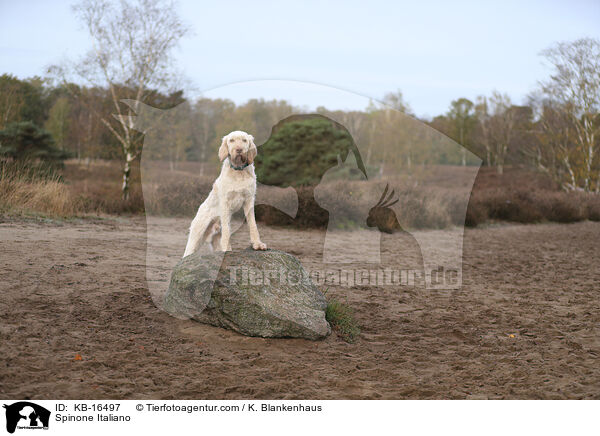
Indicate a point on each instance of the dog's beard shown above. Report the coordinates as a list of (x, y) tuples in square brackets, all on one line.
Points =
[(239, 159)]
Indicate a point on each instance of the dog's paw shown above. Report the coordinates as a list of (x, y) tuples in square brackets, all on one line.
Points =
[(259, 245)]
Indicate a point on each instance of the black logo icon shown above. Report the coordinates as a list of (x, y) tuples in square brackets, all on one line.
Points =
[(26, 415)]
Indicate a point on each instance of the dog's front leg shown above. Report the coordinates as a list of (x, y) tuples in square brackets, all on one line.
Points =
[(257, 244), (225, 226)]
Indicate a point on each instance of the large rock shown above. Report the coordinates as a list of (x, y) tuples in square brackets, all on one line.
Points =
[(256, 293)]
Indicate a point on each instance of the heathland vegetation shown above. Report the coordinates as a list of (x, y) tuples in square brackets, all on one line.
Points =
[(541, 158)]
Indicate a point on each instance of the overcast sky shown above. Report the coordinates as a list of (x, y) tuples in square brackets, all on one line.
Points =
[(433, 52)]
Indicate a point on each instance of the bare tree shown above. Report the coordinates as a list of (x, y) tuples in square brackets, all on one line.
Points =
[(395, 100), (572, 96), (503, 128), (462, 118), (552, 149), (131, 56), (483, 137), (394, 130), (11, 100), (497, 122), (58, 121)]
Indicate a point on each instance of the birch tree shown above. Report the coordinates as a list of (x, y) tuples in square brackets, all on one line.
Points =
[(572, 94), (131, 56)]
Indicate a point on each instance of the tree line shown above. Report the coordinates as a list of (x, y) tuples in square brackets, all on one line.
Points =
[(555, 131), (130, 63)]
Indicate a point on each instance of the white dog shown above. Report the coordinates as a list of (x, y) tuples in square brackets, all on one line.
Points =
[(234, 188)]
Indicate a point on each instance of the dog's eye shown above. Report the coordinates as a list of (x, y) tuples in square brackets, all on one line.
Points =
[(244, 140), (230, 139)]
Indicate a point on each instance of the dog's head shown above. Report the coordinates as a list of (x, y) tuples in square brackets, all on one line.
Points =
[(240, 148)]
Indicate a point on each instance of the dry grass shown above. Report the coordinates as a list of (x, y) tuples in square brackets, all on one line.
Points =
[(74, 190), (48, 197), (30, 189)]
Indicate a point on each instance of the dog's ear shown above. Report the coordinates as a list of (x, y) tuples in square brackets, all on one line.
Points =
[(223, 150), (252, 151)]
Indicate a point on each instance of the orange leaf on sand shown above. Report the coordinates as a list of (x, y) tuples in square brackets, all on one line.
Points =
[(78, 357), (511, 336)]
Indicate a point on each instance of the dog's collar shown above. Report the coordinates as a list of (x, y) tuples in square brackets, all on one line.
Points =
[(232, 166)]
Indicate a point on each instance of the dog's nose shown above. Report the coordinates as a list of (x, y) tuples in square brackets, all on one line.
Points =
[(238, 150)]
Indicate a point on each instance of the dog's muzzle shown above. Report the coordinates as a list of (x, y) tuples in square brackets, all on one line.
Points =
[(239, 162)]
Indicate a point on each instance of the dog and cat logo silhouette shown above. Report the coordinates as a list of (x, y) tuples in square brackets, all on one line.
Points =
[(26, 415)]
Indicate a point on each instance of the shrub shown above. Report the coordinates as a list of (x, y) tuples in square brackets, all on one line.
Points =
[(525, 205), (26, 141), (476, 213), (562, 207), (519, 206), (593, 208), (301, 149)]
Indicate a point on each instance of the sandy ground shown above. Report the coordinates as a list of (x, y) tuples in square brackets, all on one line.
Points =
[(525, 324)]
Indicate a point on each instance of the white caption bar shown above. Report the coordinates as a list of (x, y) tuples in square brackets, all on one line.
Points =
[(158, 417)]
